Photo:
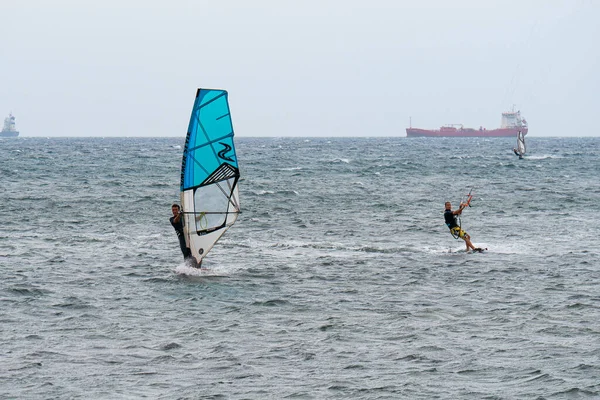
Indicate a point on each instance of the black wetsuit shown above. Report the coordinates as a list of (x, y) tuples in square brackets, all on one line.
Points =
[(450, 219), (179, 229)]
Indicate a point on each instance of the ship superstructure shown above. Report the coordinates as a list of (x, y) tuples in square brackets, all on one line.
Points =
[(9, 129)]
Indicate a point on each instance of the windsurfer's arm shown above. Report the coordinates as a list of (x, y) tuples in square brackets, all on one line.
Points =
[(177, 218)]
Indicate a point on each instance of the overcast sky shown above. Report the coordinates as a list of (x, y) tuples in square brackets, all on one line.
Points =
[(299, 68)]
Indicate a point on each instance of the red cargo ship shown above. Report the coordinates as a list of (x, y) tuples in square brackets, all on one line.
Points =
[(511, 124)]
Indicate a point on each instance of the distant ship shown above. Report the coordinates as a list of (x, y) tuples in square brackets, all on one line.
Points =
[(511, 124), (9, 129)]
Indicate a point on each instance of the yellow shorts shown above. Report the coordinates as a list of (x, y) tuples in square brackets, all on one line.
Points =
[(458, 232)]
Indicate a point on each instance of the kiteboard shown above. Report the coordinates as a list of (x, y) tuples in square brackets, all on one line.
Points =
[(462, 250)]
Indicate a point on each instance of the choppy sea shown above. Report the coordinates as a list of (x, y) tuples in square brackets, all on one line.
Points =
[(338, 281)]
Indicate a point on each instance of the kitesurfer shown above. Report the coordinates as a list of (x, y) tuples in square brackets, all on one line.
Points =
[(177, 222), (455, 229)]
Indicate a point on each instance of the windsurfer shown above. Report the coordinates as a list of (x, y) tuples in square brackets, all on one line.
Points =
[(177, 223), (516, 152), (455, 229)]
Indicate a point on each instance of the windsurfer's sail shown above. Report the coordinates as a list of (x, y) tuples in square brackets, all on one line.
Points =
[(520, 144), (209, 173)]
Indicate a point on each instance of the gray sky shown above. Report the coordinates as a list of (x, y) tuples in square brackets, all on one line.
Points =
[(299, 68)]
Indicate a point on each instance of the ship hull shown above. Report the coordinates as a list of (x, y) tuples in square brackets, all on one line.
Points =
[(503, 132), (9, 134)]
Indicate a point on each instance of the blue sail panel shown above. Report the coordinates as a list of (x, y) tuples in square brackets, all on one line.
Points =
[(209, 154)]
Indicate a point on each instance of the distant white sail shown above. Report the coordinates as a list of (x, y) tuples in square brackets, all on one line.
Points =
[(209, 173), (521, 144)]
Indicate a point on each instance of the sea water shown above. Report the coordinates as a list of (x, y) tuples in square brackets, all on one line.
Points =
[(339, 280)]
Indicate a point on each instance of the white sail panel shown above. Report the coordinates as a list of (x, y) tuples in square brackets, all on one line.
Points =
[(521, 143)]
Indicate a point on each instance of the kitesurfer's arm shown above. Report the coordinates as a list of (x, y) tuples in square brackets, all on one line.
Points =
[(459, 211)]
